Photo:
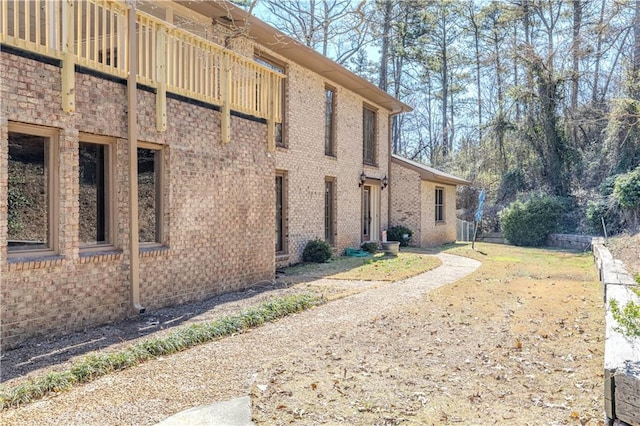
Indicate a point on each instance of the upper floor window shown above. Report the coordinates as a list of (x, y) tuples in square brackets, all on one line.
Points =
[(96, 197), (439, 204), (329, 121), (279, 126), (369, 133), (32, 190)]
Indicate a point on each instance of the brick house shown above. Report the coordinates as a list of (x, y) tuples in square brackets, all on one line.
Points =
[(424, 200), (146, 149)]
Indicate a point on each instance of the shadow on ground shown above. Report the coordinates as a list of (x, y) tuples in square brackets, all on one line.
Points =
[(46, 351)]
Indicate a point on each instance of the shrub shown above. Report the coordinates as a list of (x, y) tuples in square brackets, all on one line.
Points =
[(397, 233), (626, 191), (607, 209), (370, 246), (316, 251), (529, 223), (513, 182)]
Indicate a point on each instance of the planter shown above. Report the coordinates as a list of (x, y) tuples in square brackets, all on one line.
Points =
[(391, 248)]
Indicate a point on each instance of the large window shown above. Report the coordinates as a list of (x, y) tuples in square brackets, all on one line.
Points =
[(150, 198), (439, 204), (329, 121), (281, 213), (32, 183), (279, 127), (329, 211), (369, 133), (95, 197)]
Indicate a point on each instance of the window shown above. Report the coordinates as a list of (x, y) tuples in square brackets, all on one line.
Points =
[(279, 127), (150, 197), (369, 136), (32, 190), (95, 197), (439, 204), (329, 211), (329, 121), (281, 213)]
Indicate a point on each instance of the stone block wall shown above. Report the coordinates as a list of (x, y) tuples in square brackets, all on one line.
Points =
[(216, 198)]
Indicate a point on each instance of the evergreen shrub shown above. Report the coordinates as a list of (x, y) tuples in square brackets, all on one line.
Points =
[(529, 223), (370, 246), (397, 233), (317, 251)]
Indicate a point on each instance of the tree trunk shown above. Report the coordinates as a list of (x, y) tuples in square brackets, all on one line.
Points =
[(384, 56)]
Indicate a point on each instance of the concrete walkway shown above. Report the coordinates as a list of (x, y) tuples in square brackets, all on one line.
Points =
[(374, 301)]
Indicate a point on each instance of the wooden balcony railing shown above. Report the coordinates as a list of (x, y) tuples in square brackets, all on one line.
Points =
[(95, 34)]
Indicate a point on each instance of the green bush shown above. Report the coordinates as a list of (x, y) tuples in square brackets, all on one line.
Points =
[(607, 209), (397, 233), (317, 251), (626, 191), (529, 223), (370, 246)]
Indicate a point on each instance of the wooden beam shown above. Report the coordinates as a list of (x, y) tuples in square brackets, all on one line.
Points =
[(226, 101), (271, 122), (161, 77), (68, 60)]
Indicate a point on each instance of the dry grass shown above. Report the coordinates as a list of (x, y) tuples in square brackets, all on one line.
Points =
[(373, 268), (519, 341)]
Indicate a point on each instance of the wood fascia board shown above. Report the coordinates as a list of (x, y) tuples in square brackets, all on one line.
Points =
[(428, 173)]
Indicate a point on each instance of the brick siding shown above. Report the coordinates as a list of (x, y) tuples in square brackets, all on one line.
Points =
[(217, 198)]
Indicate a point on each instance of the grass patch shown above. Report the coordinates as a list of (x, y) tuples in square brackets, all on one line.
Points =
[(373, 268), (100, 364)]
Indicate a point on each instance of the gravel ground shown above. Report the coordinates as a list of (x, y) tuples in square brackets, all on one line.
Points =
[(386, 354)]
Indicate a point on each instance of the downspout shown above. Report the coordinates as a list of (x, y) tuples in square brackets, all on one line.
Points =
[(132, 135)]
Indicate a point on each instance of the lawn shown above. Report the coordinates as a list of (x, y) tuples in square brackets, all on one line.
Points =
[(378, 267)]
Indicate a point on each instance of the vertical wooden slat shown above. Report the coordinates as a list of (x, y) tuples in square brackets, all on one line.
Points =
[(56, 17), (226, 101), (191, 60), (161, 78), (27, 21), (95, 33), (103, 35), (16, 22), (37, 23), (47, 24), (112, 35), (5, 20), (68, 63)]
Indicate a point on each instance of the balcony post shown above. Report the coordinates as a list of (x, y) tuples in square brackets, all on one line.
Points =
[(68, 59), (271, 125), (161, 77), (226, 100)]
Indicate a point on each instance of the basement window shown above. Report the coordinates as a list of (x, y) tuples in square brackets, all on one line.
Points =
[(150, 195), (32, 197)]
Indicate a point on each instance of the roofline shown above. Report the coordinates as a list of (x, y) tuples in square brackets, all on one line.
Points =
[(429, 173), (293, 50)]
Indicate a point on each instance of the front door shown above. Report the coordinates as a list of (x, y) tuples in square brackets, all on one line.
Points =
[(369, 219)]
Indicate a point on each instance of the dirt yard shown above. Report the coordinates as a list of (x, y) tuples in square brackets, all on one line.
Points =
[(518, 341)]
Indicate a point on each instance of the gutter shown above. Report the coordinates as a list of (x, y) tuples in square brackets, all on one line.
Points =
[(132, 136)]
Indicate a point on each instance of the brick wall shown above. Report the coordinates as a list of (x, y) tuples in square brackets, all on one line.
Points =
[(405, 185), (434, 234), (307, 165), (413, 206), (217, 200)]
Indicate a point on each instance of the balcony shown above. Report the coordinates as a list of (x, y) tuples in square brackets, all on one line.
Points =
[(97, 34)]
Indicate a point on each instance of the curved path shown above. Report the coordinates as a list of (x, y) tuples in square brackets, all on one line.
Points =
[(227, 368)]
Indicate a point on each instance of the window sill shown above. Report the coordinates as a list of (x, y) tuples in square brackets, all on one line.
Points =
[(100, 256), (282, 256), (37, 262), (441, 222), (331, 156), (153, 251), (367, 164)]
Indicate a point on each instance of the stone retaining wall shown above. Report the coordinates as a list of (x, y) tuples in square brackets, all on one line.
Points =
[(568, 241), (622, 353)]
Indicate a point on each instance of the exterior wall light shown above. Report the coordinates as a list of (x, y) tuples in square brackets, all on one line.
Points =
[(363, 178), (385, 181)]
